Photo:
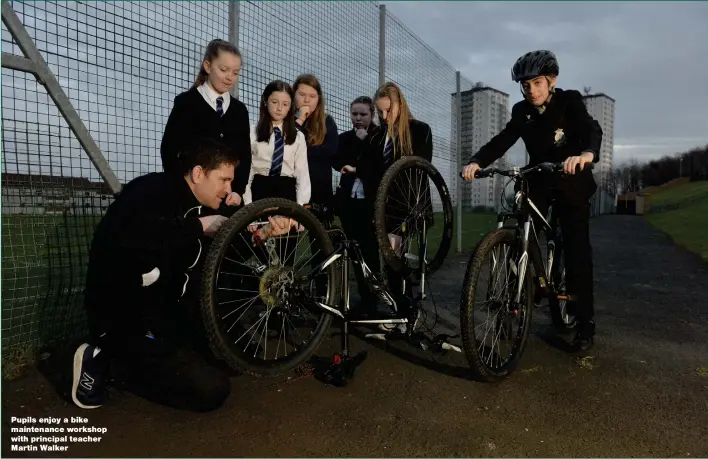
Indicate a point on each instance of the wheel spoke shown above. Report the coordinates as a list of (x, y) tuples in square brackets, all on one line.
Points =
[(257, 296)]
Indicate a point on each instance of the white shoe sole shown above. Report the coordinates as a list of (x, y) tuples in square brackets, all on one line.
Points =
[(78, 360)]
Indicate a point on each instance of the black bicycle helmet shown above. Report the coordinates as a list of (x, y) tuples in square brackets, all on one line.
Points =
[(533, 64)]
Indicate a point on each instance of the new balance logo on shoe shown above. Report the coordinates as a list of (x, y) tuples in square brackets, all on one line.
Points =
[(88, 388), (86, 381)]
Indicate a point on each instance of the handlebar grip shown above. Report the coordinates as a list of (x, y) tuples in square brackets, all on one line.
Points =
[(476, 174)]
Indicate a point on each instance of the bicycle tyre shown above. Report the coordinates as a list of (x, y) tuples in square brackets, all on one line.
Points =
[(218, 340), (399, 167), (467, 321), (561, 326)]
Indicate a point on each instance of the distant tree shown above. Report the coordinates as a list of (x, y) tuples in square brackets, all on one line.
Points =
[(633, 176)]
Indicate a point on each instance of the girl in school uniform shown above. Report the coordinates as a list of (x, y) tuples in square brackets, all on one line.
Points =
[(322, 141), (208, 110), (400, 135), (279, 166), (355, 212)]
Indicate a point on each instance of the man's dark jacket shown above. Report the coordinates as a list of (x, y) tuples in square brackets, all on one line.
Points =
[(153, 223)]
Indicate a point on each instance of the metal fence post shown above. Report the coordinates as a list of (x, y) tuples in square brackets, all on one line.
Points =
[(382, 44), (458, 140), (35, 63), (234, 18)]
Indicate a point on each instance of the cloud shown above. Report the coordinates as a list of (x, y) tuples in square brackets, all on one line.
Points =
[(650, 148), (649, 56)]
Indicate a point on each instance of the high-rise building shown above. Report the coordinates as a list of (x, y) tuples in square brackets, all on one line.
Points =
[(602, 107), (484, 114)]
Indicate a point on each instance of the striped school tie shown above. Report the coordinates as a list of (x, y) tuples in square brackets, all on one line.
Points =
[(388, 153), (278, 153), (219, 106)]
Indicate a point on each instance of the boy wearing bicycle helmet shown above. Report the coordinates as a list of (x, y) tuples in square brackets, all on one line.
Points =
[(555, 126)]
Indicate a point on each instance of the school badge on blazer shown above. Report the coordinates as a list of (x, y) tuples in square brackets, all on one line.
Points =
[(559, 138)]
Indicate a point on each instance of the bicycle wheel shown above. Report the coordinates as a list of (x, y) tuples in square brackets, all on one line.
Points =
[(408, 206), (486, 358), (255, 291), (563, 321)]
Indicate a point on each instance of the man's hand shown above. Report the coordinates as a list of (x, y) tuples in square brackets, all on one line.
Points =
[(233, 199), (469, 171), (278, 226), (348, 169), (361, 133), (396, 243), (573, 161), (212, 224)]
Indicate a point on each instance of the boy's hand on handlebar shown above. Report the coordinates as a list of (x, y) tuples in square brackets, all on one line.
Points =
[(580, 161), (470, 170)]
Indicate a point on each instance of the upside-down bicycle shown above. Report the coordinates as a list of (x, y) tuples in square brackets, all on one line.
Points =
[(510, 248), (290, 287)]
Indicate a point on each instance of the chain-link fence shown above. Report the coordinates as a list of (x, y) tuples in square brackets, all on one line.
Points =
[(121, 64)]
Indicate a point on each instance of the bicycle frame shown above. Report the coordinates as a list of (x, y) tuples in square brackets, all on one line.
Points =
[(525, 211), (530, 247), (349, 251)]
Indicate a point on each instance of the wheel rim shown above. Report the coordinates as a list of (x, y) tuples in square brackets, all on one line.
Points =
[(414, 201), (260, 295), (498, 323)]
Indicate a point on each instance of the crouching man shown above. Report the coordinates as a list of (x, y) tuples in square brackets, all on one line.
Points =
[(143, 264)]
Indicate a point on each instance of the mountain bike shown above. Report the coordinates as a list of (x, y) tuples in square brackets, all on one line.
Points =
[(509, 248), (289, 288)]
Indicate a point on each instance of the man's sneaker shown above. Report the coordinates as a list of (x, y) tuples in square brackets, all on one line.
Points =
[(388, 328), (88, 389), (585, 338)]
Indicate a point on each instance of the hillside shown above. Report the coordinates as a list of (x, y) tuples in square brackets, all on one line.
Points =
[(682, 213)]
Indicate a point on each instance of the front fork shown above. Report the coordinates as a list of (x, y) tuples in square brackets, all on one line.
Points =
[(523, 259)]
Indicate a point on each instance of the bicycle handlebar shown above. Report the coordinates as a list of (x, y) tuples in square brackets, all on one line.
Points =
[(545, 167)]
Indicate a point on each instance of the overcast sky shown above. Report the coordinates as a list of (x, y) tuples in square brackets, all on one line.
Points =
[(651, 57)]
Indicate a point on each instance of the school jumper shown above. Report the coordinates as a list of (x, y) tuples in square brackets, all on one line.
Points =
[(198, 113), (319, 160)]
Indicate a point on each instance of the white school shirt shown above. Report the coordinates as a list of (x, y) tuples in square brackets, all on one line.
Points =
[(210, 96), (294, 163)]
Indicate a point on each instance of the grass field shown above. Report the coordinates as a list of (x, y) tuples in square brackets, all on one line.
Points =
[(687, 224), (44, 261), (43, 270), (679, 194)]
